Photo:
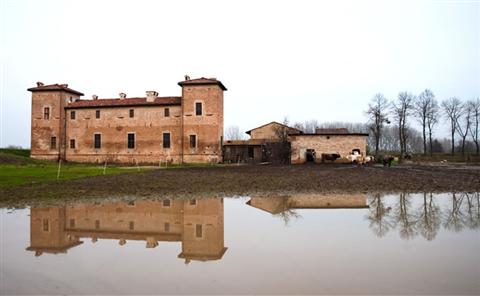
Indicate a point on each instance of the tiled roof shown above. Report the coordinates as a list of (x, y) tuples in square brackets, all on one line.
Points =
[(53, 87), (141, 101), (341, 130), (292, 129), (202, 81)]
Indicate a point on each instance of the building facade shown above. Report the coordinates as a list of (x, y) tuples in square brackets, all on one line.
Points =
[(277, 143), (150, 129)]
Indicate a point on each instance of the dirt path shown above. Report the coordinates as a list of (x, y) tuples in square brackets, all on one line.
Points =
[(249, 180)]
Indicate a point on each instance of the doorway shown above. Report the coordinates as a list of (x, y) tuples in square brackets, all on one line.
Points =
[(310, 155)]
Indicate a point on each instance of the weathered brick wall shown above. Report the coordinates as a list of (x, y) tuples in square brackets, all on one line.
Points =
[(114, 124), (207, 127), (43, 129), (341, 144)]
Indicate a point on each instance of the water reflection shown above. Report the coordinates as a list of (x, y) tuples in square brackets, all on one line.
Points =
[(197, 224), (413, 215)]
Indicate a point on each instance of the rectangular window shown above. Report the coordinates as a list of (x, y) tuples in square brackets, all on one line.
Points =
[(97, 113), (131, 113), (131, 225), (131, 141), (53, 142), (72, 223), (166, 203), (193, 202), (97, 224), (46, 224), (198, 230), (72, 143), (167, 227), (198, 108), (46, 113), (97, 141), (72, 115), (166, 112), (193, 141), (166, 140)]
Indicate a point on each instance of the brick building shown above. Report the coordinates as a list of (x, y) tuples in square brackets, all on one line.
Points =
[(150, 129), (277, 143)]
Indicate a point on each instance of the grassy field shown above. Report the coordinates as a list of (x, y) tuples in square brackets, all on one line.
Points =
[(16, 168)]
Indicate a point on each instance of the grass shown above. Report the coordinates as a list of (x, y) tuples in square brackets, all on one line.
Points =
[(16, 168)]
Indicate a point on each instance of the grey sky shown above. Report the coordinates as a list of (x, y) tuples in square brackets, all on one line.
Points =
[(319, 60)]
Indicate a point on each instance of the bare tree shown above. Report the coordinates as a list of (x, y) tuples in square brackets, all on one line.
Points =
[(380, 221), (453, 111), (233, 133), (422, 106), (281, 132), (432, 120), (377, 115), (463, 124), (402, 108), (474, 129)]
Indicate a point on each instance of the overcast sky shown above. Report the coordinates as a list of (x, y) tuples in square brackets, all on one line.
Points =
[(319, 60)]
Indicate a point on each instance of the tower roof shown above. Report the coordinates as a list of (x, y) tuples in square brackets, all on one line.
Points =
[(54, 87), (202, 81)]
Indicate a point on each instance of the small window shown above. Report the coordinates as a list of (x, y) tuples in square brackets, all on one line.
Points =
[(198, 230), (198, 108), (131, 141), (193, 141), (166, 140), (46, 113), (166, 227), (97, 224), (72, 115), (131, 113), (46, 224), (72, 223), (97, 139), (53, 142), (131, 225), (166, 203), (72, 143), (166, 112), (193, 202), (97, 113)]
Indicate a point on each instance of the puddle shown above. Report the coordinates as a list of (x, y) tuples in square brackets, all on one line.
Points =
[(300, 244)]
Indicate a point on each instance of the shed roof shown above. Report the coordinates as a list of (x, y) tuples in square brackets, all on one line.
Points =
[(203, 81), (341, 130), (55, 87), (276, 123), (128, 102)]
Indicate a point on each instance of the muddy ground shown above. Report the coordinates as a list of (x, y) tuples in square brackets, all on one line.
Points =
[(250, 180)]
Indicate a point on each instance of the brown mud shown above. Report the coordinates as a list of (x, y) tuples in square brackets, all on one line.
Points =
[(250, 180)]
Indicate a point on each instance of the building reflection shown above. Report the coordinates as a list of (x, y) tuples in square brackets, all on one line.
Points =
[(197, 224)]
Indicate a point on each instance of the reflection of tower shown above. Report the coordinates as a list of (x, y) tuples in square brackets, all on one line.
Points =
[(197, 224), (203, 230), (47, 231)]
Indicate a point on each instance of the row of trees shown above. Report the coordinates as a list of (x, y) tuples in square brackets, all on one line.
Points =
[(463, 118)]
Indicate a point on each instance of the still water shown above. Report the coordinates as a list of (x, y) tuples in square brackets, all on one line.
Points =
[(302, 244)]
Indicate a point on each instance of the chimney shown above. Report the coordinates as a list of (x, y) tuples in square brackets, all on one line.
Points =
[(64, 85), (151, 95), (187, 77), (40, 84), (94, 97), (122, 96)]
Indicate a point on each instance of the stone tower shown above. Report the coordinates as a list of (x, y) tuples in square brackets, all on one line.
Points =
[(202, 120), (48, 119)]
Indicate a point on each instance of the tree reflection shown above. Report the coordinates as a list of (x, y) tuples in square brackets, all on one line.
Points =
[(285, 212), (429, 220), (454, 218), (379, 221), (460, 212), (404, 219)]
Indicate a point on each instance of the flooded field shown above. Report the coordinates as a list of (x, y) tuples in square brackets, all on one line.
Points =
[(298, 244)]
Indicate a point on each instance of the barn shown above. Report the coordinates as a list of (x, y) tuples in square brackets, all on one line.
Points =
[(278, 143)]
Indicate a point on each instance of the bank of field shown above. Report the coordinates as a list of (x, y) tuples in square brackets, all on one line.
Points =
[(16, 169)]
